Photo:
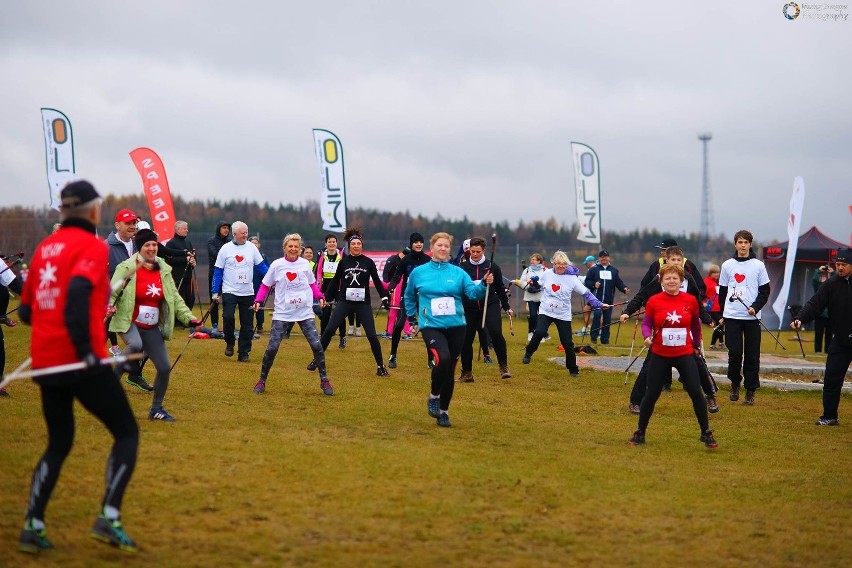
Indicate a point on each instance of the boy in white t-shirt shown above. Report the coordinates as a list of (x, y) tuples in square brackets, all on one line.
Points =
[(743, 291)]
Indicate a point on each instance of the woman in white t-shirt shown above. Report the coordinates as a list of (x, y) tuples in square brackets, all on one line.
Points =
[(295, 291), (557, 286)]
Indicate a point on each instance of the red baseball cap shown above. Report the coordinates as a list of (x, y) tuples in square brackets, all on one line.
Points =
[(126, 215)]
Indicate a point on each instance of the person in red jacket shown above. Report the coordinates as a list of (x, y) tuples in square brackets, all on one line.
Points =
[(711, 304), (672, 332), (65, 301)]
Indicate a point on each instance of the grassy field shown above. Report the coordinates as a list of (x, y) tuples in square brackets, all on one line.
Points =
[(535, 471)]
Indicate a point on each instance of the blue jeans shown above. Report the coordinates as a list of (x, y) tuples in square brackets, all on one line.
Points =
[(601, 327)]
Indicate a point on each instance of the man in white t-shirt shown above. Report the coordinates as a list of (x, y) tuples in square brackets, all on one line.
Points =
[(743, 291), (233, 286)]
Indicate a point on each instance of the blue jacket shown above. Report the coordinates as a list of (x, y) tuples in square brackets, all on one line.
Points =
[(430, 282), (609, 280)]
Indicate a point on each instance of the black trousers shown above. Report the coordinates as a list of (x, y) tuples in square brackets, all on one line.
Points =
[(444, 346), (231, 303), (718, 332), (658, 370), (836, 365), (324, 319), (102, 395), (742, 338), (822, 330), (566, 338), (641, 383), (364, 312), (494, 325)]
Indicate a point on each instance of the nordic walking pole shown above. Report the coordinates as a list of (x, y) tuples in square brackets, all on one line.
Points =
[(798, 337), (740, 300), (653, 335), (488, 286), (203, 319), (108, 361), (632, 343)]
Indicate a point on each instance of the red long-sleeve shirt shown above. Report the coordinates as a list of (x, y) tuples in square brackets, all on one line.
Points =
[(673, 322)]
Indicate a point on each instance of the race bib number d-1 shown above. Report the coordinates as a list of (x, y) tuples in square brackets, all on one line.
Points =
[(355, 294), (148, 315), (445, 306), (674, 336)]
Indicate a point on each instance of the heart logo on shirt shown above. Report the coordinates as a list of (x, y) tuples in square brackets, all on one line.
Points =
[(239, 258), (555, 287), (291, 276), (739, 277)]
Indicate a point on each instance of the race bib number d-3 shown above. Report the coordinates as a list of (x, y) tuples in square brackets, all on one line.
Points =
[(445, 306), (355, 294), (148, 315), (674, 336)]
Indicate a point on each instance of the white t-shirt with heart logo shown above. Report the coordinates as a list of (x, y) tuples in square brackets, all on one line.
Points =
[(237, 263), (742, 279), (294, 298), (556, 290)]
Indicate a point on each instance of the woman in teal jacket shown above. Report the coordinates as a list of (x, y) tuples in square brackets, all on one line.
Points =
[(144, 306), (434, 294)]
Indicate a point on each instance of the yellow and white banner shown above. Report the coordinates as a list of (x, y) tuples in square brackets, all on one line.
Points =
[(587, 179), (794, 225), (59, 149), (333, 181)]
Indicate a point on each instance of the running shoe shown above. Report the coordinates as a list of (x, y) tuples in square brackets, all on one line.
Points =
[(33, 540), (342, 343), (637, 439), (312, 366), (527, 358), (735, 392), (433, 407), (161, 414), (749, 399), (634, 408), (827, 422), (444, 420), (243, 357), (112, 532), (489, 360), (574, 372), (9, 321), (115, 350), (712, 405), (229, 350), (504, 372), (326, 387), (140, 383), (392, 362), (466, 377), (255, 335), (3, 392), (260, 387), (382, 372), (708, 439)]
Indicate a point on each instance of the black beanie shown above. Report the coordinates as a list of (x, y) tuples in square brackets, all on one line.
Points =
[(416, 238), (144, 236)]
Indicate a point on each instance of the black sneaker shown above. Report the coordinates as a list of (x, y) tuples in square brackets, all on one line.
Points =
[(312, 366), (382, 372), (444, 420), (574, 372), (735, 392), (342, 343), (433, 407), (392, 362), (708, 439), (526, 359), (160, 414), (504, 372), (112, 532), (828, 422), (243, 358), (712, 405), (229, 350), (140, 383), (637, 439), (33, 541), (749, 399)]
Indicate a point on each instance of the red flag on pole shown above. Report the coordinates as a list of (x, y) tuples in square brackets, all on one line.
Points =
[(156, 185)]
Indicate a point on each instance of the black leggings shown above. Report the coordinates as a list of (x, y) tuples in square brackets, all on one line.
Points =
[(494, 325), (364, 311), (565, 338), (658, 370), (444, 346), (102, 395), (641, 383)]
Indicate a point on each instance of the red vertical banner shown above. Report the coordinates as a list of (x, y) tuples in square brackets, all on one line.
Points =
[(150, 167)]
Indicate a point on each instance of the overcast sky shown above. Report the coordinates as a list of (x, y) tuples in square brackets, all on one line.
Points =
[(451, 107)]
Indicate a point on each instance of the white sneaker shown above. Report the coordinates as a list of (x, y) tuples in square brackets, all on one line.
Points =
[(358, 331), (115, 350), (351, 330)]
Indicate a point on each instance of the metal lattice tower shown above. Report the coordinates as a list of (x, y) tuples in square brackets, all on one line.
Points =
[(707, 228)]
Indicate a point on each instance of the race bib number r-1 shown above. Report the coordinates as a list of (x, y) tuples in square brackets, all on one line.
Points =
[(243, 276), (445, 306), (674, 336), (148, 315), (355, 294)]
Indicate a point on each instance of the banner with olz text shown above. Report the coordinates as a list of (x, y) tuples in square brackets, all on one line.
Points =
[(588, 190), (329, 152), (59, 150)]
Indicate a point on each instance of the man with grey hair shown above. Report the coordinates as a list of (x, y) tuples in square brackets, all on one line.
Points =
[(232, 286), (183, 265)]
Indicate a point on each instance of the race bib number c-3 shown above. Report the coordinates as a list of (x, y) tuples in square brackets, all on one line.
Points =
[(148, 315), (355, 294), (674, 336), (445, 306)]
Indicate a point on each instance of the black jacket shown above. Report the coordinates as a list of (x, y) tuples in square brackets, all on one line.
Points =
[(688, 267), (836, 295), (654, 287), (179, 247), (496, 292), (354, 272), (215, 243)]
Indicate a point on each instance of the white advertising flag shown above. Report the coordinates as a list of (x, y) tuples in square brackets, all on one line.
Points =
[(587, 179), (332, 179), (794, 224), (59, 150)]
